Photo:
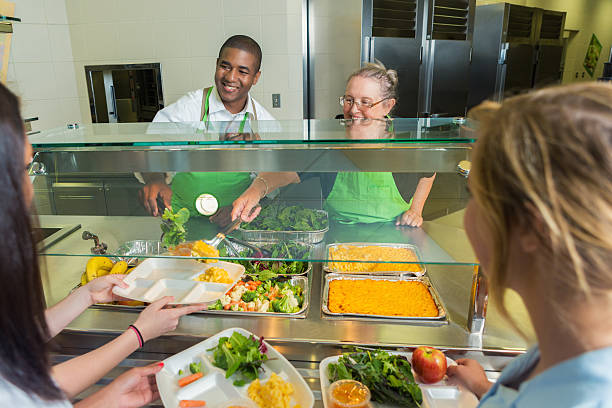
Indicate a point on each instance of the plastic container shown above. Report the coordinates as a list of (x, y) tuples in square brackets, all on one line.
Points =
[(348, 394)]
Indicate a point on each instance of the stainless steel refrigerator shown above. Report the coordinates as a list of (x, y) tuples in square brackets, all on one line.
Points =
[(515, 48), (427, 41)]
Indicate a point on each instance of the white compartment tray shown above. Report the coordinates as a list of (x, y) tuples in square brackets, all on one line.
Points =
[(155, 278), (438, 395), (213, 387)]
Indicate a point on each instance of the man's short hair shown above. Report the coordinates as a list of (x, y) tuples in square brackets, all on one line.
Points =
[(244, 43)]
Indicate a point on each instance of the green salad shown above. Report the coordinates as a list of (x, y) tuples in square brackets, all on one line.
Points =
[(173, 226), (388, 376), (241, 356), (266, 270), (281, 217)]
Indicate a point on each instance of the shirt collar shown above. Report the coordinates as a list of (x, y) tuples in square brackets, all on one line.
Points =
[(216, 105)]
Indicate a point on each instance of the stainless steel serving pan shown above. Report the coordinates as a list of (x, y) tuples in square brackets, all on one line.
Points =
[(263, 244), (302, 281), (304, 237), (328, 268), (425, 280), (300, 314)]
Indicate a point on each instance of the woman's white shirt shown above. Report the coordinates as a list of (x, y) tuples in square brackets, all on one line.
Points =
[(11, 396)]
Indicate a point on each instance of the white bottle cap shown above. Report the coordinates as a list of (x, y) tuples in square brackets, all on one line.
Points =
[(206, 204)]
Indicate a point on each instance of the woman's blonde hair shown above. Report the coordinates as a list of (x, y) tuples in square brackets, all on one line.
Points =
[(544, 160), (386, 78)]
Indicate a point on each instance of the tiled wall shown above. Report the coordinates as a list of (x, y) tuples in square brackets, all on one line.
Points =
[(57, 38), (41, 68), (185, 37)]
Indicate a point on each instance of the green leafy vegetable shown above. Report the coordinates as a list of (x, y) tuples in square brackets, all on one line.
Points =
[(388, 376), (249, 296), (266, 270), (216, 306), (195, 367), (241, 356), (280, 217), (173, 228)]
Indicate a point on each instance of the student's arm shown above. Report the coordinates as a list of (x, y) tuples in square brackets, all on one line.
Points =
[(413, 217), (77, 374), (97, 291), (134, 388), (471, 375), (261, 186)]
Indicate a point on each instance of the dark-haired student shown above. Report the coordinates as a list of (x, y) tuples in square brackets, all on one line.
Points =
[(26, 376), (228, 101)]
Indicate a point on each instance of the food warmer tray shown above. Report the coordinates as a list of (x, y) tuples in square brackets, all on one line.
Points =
[(304, 237), (301, 314), (424, 279), (421, 272), (262, 244)]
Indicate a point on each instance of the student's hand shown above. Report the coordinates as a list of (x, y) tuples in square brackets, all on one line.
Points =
[(156, 320), (471, 375), (411, 218), (223, 216), (149, 193), (101, 289), (246, 206), (132, 389)]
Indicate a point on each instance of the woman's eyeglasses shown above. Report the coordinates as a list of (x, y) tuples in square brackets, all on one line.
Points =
[(349, 102)]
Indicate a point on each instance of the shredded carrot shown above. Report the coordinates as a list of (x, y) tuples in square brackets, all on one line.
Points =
[(387, 256), (381, 297)]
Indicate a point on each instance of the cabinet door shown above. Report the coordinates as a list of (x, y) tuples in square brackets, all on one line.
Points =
[(122, 197), (79, 198), (549, 66), (449, 86), (519, 68), (403, 55)]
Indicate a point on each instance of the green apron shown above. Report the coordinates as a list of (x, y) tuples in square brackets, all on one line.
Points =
[(366, 197), (224, 186)]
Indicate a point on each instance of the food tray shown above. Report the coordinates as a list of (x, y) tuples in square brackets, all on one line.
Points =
[(131, 251), (301, 314), (155, 278), (263, 244), (438, 395), (304, 237), (425, 280), (328, 268), (214, 388)]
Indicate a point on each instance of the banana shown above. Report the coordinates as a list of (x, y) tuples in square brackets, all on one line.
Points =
[(84, 279), (97, 266), (120, 268)]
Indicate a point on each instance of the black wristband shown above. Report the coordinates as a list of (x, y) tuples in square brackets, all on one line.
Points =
[(138, 333)]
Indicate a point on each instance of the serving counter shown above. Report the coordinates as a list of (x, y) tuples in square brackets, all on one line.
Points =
[(414, 147)]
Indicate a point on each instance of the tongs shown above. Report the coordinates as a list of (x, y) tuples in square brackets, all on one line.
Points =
[(221, 235), (258, 252)]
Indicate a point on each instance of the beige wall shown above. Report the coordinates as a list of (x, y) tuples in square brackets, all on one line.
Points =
[(586, 16), (59, 37), (41, 69), (336, 51)]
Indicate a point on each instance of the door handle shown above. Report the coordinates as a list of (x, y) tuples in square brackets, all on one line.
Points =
[(114, 99)]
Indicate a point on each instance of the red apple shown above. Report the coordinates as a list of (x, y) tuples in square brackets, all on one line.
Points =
[(429, 364)]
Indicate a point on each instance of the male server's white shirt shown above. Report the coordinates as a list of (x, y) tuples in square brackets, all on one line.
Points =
[(189, 109)]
